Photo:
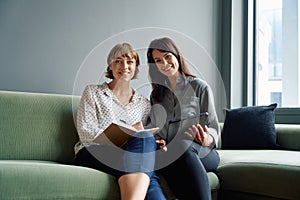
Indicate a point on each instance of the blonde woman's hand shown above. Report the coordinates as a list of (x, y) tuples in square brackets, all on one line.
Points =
[(138, 126), (161, 144)]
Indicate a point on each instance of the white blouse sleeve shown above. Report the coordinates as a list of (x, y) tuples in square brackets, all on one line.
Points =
[(87, 122)]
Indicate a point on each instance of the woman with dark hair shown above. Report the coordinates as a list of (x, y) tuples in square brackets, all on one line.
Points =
[(133, 163), (178, 101)]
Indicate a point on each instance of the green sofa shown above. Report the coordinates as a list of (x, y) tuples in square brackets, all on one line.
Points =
[(36, 152), (263, 174)]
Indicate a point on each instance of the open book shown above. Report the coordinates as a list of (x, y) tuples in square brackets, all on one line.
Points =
[(118, 134)]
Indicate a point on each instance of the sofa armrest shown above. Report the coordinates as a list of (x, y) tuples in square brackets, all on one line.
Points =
[(288, 136)]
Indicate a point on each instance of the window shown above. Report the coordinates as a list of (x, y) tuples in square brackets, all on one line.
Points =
[(276, 98), (277, 71)]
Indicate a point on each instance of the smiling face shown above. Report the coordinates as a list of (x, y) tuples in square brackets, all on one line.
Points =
[(123, 67), (166, 63), (122, 55)]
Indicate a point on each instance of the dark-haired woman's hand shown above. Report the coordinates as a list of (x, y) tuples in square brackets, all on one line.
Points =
[(199, 135)]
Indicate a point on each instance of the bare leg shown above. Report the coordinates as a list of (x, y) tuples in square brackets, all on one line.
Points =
[(134, 186)]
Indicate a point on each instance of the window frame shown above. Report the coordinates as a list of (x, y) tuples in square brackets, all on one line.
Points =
[(283, 115)]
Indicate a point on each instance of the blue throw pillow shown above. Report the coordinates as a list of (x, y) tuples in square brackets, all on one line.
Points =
[(249, 127)]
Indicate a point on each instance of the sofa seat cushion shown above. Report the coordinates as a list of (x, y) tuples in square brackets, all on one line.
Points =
[(24, 179), (271, 173), (49, 180)]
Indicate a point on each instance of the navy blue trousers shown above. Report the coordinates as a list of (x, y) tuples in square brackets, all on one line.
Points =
[(187, 175), (137, 155)]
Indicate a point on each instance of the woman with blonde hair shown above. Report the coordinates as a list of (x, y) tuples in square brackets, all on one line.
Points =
[(133, 163)]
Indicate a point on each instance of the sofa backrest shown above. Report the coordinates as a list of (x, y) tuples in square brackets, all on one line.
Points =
[(36, 126)]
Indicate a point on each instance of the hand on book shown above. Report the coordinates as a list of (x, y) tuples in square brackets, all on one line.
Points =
[(119, 133), (161, 144), (138, 126)]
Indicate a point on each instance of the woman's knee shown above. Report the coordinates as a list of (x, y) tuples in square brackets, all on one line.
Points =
[(143, 134), (141, 142), (211, 161)]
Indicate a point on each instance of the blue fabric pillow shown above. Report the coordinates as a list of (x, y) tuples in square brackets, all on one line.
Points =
[(249, 127)]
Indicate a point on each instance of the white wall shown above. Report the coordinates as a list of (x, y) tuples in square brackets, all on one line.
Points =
[(43, 43)]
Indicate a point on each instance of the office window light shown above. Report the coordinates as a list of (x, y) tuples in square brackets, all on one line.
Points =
[(277, 68)]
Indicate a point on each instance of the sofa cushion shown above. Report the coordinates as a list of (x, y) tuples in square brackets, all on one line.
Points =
[(249, 127), (269, 173), (24, 179), (30, 180)]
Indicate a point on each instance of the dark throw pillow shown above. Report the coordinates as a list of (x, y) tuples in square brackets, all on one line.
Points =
[(249, 127)]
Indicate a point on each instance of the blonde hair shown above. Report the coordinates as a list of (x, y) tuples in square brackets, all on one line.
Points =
[(122, 50)]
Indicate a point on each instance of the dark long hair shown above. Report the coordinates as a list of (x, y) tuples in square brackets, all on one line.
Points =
[(158, 80)]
